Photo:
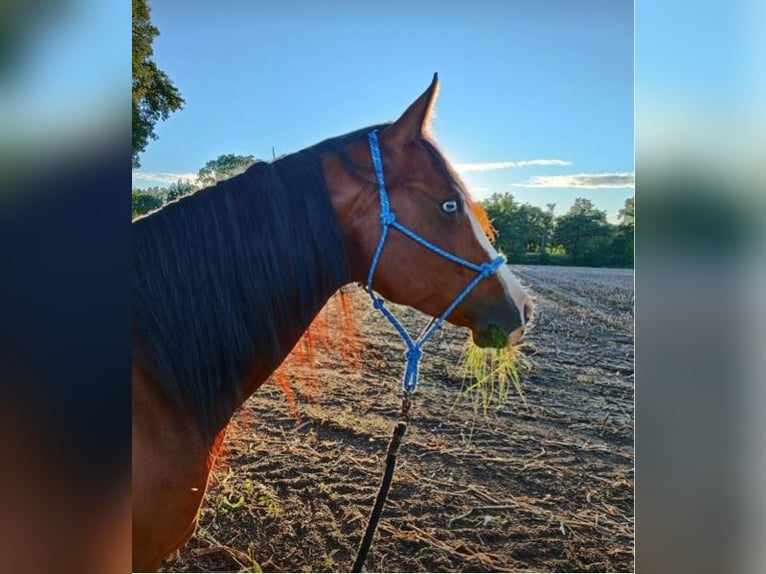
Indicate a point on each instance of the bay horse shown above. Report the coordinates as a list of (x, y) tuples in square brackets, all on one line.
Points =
[(226, 280)]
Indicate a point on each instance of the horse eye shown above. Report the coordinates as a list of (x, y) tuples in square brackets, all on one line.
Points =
[(450, 206)]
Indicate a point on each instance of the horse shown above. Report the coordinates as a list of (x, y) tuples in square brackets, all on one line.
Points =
[(227, 279)]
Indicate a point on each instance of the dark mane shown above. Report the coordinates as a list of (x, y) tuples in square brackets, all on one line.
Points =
[(232, 273)]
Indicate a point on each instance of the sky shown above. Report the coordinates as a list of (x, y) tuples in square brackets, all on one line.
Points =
[(536, 97)]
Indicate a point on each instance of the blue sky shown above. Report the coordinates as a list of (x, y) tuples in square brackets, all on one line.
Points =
[(536, 97)]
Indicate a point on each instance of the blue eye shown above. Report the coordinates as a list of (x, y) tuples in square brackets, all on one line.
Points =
[(450, 206)]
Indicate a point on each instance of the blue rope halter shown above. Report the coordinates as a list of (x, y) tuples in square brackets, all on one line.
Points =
[(388, 220)]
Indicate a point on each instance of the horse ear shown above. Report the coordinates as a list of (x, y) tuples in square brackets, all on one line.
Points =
[(414, 122)]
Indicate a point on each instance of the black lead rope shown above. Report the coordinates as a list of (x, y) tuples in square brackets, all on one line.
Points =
[(380, 500)]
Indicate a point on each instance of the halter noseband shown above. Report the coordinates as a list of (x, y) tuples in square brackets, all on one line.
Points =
[(387, 220)]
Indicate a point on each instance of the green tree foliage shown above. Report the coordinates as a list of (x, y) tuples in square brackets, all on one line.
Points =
[(501, 209), (520, 228), (154, 190), (582, 236), (533, 224), (584, 233), (154, 95), (628, 213), (549, 222), (622, 245), (144, 202), (223, 167), (179, 189)]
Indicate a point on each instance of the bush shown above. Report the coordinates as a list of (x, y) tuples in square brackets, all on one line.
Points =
[(543, 259)]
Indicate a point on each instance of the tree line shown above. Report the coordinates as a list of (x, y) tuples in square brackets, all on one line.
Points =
[(525, 233), (581, 236), (222, 167)]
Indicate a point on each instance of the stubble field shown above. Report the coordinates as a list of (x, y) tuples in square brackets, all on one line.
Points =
[(543, 486)]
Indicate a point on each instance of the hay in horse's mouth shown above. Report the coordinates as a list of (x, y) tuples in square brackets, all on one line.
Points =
[(486, 373), (494, 337)]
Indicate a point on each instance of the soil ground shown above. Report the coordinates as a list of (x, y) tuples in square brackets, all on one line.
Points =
[(546, 486)]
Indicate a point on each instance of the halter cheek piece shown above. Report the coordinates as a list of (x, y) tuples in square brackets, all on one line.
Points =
[(388, 220)]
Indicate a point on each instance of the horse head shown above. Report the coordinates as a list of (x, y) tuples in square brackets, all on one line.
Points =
[(427, 196)]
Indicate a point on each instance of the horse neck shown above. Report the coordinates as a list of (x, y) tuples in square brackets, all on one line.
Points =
[(227, 280), (291, 331), (356, 209), (263, 369)]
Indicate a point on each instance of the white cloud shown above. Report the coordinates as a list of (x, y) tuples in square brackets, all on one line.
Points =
[(619, 180), (493, 165), (164, 177)]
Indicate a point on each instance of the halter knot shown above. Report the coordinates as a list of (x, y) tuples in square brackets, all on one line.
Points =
[(387, 218), (413, 354), (489, 267), (410, 381), (378, 303)]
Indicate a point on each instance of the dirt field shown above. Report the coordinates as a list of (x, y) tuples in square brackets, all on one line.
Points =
[(543, 487)]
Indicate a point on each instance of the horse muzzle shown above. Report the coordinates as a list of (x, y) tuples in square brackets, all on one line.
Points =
[(502, 326)]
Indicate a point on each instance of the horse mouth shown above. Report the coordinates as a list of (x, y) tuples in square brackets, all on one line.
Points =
[(495, 337)]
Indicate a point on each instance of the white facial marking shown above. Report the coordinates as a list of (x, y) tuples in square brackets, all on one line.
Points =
[(513, 289)]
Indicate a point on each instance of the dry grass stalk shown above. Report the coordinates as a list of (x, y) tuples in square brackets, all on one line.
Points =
[(487, 375)]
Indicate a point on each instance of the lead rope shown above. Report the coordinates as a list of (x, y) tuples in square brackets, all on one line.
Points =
[(388, 475)]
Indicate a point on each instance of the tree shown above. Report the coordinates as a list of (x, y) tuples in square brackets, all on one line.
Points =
[(179, 189), (584, 233), (154, 190), (622, 244), (530, 223), (628, 213), (154, 95), (549, 223), (501, 208), (144, 202), (520, 228), (223, 167)]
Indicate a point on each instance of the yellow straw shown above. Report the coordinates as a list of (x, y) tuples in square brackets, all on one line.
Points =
[(486, 374)]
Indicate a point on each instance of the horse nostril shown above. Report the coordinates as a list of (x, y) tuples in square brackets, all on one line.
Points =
[(529, 311)]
